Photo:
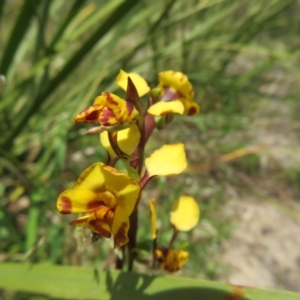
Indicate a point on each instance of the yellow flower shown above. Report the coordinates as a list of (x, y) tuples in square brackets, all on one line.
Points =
[(139, 82), (185, 213), (176, 95), (127, 140), (168, 160), (171, 260), (110, 111), (108, 196)]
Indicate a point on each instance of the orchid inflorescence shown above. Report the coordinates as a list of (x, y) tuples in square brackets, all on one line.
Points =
[(110, 198)]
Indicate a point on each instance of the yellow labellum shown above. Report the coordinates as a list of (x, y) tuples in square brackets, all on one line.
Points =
[(185, 213), (153, 218), (140, 83), (166, 107), (168, 160)]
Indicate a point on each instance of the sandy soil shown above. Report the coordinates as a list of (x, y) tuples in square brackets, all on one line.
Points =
[(264, 250)]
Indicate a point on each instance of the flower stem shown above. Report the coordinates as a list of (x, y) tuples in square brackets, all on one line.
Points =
[(132, 238), (175, 233)]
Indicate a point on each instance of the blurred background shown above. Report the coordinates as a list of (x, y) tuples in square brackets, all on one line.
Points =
[(243, 58)]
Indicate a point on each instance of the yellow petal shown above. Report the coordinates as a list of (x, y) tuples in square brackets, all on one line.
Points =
[(128, 140), (123, 187), (120, 227), (153, 219), (92, 178), (177, 81), (190, 107), (77, 200), (140, 83), (185, 213), (100, 178), (166, 107), (168, 160), (193, 109)]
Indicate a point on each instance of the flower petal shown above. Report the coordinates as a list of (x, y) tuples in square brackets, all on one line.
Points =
[(128, 140), (177, 81), (116, 111), (185, 213), (99, 178), (171, 260), (92, 179), (120, 227), (166, 107), (77, 200), (94, 224), (140, 83), (89, 115), (123, 187), (168, 160), (153, 219), (190, 107)]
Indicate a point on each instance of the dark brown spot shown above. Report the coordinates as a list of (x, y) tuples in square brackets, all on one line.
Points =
[(121, 235), (92, 116), (94, 204), (192, 111), (66, 205)]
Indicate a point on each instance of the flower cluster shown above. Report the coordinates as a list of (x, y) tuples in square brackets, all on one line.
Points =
[(108, 198)]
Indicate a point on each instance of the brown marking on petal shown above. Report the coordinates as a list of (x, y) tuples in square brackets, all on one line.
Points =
[(182, 77), (98, 228), (121, 235), (111, 170), (89, 115), (109, 98), (94, 204), (92, 116), (78, 222), (109, 214), (66, 205), (192, 111), (106, 116)]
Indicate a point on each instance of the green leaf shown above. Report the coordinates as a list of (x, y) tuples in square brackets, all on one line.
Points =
[(87, 283)]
